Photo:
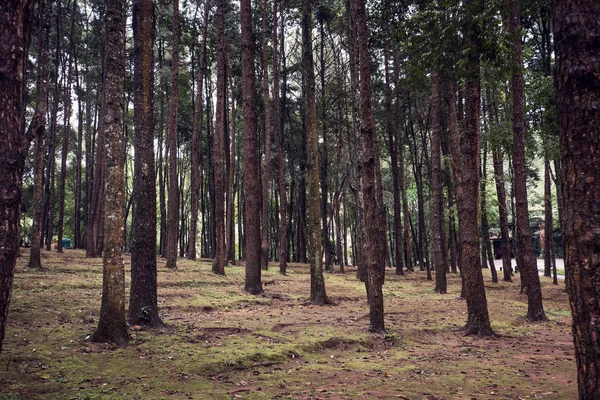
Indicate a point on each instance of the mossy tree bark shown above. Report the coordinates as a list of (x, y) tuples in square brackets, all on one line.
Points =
[(112, 326)]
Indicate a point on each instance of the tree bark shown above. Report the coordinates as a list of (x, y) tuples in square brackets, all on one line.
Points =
[(143, 303), (375, 261), (529, 272), (318, 294), (252, 186), (39, 124), (16, 19), (111, 325), (196, 132), (577, 84), (279, 138), (67, 104), (173, 199), (393, 125), (437, 198), (218, 266), (264, 262), (478, 321)]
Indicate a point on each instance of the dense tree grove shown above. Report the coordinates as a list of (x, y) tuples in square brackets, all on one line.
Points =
[(325, 132)]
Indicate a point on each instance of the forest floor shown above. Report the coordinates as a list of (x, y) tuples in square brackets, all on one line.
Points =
[(225, 344)]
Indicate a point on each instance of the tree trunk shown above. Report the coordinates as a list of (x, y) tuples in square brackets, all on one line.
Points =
[(252, 186), (232, 184), (66, 132), (143, 303), (264, 262), (14, 31), (529, 272), (487, 253), (317, 281), (548, 234), (218, 266), (111, 325), (279, 138), (393, 125), (39, 127), (375, 261), (196, 132), (437, 196), (172, 148), (577, 83), (478, 321)]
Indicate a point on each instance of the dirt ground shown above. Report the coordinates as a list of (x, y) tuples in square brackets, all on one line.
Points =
[(225, 344)]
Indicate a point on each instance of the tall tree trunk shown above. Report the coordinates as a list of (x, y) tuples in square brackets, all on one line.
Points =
[(324, 155), (218, 266), (143, 303), (375, 261), (279, 137), (252, 186), (173, 200), (318, 294), (437, 198), (456, 164), (576, 33), (51, 169), (478, 321), (14, 31), (487, 253), (78, 240), (66, 133), (232, 183), (39, 127), (111, 325), (548, 231), (393, 125), (196, 132), (529, 272), (264, 262)]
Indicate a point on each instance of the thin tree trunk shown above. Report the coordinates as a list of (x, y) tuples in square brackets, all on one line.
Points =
[(529, 272), (39, 124), (173, 200), (375, 261), (548, 234), (478, 321), (196, 135), (264, 262), (253, 282), (437, 210), (218, 266), (66, 132), (393, 125), (318, 294), (279, 137)]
